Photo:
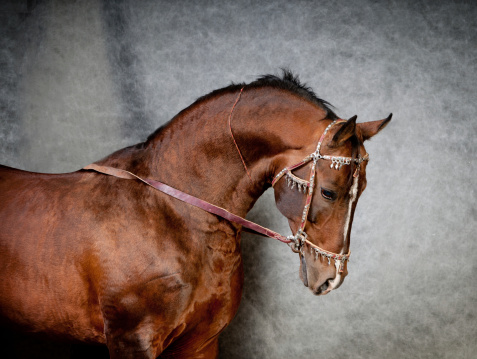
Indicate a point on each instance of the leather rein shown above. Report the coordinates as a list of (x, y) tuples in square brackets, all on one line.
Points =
[(297, 242), (187, 198)]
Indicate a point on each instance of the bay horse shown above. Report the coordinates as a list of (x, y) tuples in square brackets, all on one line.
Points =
[(101, 256)]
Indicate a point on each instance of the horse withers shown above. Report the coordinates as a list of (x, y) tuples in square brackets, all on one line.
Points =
[(101, 256)]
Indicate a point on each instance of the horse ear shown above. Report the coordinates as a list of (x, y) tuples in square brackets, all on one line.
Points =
[(369, 129), (344, 133)]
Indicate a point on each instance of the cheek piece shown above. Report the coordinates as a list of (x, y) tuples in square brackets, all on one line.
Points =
[(299, 240)]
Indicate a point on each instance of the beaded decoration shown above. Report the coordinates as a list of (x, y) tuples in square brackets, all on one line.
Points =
[(300, 237)]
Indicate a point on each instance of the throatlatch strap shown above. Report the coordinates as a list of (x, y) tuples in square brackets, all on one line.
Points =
[(187, 198)]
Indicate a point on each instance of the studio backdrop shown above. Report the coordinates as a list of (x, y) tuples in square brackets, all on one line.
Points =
[(81, 79)]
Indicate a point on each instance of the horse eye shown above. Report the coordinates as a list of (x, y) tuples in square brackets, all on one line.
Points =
[(330, 195)]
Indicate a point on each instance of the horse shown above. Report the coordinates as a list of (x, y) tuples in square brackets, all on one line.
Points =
[(106, 255)]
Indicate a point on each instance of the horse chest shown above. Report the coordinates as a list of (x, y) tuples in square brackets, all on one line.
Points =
[(213, 304), (194, 288)]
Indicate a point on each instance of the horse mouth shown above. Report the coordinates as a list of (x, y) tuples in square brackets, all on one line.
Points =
[(303, 271)]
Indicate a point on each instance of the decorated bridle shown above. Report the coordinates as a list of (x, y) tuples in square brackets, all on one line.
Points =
[(300, 238), (297, 241)]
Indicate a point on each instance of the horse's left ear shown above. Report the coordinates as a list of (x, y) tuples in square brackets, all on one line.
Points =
[(369, 129)]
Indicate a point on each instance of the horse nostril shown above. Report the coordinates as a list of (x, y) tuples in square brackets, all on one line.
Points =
[(325, 285)]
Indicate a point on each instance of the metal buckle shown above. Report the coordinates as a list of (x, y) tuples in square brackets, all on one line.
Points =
[(298, 240), (301, 236), (293, 245)]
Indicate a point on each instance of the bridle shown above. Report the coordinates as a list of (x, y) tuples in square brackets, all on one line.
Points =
[(297, 241), (300, 238)]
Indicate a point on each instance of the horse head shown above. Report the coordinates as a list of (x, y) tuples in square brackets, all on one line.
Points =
[(317, 191)]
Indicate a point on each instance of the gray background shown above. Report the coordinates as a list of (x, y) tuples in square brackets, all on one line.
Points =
[(82, 79)]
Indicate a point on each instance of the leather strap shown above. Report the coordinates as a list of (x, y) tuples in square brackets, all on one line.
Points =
[(187, 198)]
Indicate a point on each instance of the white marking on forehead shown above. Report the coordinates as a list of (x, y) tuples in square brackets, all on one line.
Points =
[(353, 193)]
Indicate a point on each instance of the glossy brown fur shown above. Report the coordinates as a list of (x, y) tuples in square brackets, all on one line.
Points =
[(98, 259)]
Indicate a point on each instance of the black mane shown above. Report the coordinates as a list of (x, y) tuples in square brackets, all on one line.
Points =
[(291, 82), (288, 81)]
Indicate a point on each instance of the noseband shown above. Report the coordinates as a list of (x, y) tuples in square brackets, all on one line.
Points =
[(300, 238)]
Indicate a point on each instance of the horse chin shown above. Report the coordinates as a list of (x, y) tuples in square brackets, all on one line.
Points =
[(303, 274)]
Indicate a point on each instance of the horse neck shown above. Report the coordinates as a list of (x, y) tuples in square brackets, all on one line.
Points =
[(196, 153)]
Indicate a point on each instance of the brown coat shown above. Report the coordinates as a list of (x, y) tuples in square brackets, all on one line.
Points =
[(100, 259)]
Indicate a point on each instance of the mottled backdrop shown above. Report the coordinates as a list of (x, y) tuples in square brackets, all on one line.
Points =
[(79, 79)]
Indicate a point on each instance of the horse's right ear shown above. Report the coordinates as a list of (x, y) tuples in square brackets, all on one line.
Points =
[(369, 129), (344, 133)]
